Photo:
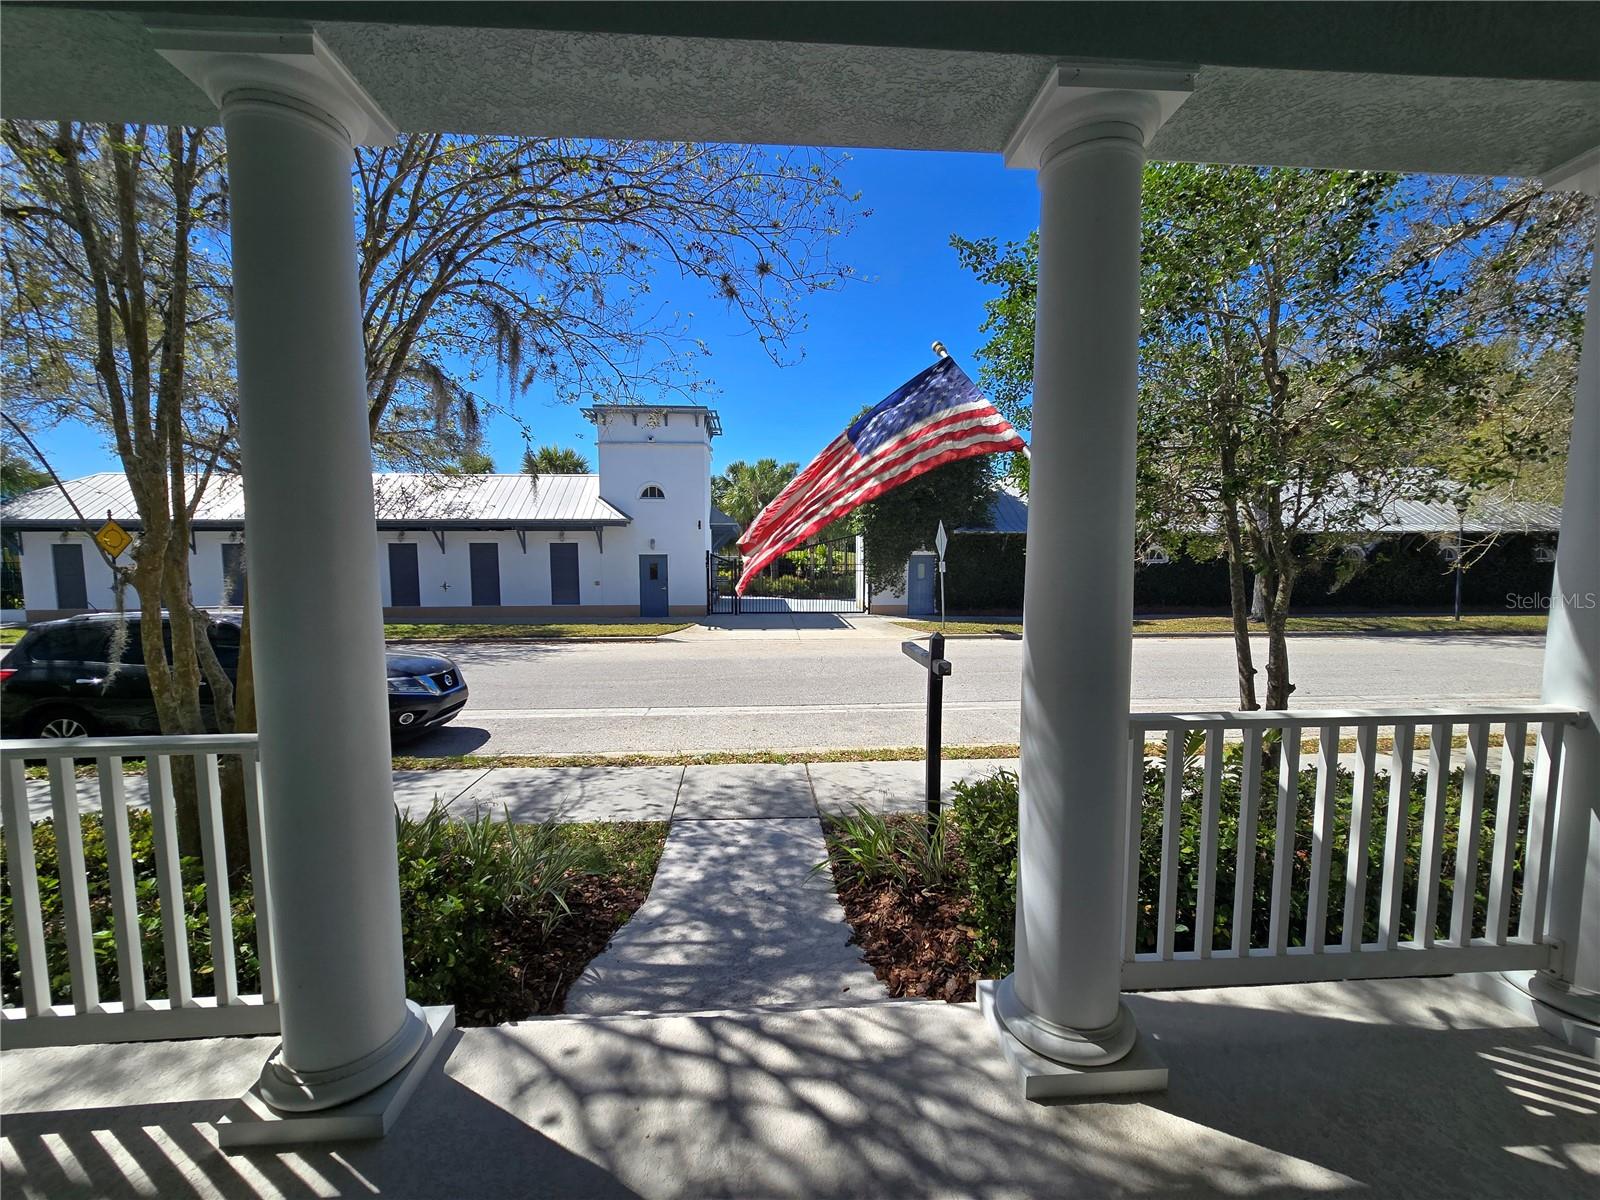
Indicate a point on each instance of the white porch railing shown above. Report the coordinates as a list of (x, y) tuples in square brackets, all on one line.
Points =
[(1344, 897), (45, 1008)]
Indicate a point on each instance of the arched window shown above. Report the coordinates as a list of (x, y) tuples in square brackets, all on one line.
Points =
[(652, 492)]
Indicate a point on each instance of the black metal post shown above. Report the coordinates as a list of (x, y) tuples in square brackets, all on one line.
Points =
[(935, 726), (932, 660)]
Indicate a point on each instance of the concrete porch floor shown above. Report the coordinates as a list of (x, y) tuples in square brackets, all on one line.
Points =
[(1397, 1088)]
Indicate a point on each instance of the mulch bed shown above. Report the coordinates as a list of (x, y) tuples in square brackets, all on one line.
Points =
[(548, 967), (914, 939)]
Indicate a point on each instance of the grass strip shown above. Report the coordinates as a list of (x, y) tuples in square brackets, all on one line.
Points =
[(1525, 623), (554, 631)]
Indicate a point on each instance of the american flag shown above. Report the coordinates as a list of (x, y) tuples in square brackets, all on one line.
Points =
[(937, 417)]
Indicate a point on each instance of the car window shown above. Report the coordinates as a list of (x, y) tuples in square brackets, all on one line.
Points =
[(225, 641), (73, 643)]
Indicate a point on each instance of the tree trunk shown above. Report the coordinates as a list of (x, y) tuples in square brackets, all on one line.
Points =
[(1258, 598), (1243, 654), (241, 718), (1278, 686)]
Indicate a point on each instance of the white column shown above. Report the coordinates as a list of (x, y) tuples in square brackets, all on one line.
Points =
[(1086, 135), (291, 113), (1572, 679)]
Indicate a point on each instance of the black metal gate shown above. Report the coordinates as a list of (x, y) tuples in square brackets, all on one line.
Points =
[(822, 577)]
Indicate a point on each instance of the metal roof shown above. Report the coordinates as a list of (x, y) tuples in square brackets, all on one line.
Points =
[(1008, 513), (402, 500)]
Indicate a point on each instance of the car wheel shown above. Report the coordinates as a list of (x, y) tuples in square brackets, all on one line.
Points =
[(62, 723)]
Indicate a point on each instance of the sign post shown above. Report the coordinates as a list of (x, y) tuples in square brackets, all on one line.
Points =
[(940, 541), (931, 658)]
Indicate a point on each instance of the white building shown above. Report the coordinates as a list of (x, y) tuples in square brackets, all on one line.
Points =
[(630, 541)]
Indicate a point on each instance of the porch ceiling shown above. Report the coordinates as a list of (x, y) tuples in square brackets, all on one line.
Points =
[(1471, 88)]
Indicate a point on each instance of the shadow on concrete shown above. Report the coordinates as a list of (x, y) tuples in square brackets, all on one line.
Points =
[(1408, 1087), (447, 741), (738, 916)]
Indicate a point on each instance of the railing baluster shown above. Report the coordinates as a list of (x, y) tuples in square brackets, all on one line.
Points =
[(1244, 870), (22, 876), (260, 897), (1396, 835), (1171, 823), (1430, 860), (1356, 854), (1322, 837), (1546, 770), (1205, 904), (1507, 814), (1468, 835), (1283, 840), (119, 867), (74, 884), (169, 881), (214, 854), (1131, 859)]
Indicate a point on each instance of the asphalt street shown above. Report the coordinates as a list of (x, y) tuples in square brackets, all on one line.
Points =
[(707, 693)]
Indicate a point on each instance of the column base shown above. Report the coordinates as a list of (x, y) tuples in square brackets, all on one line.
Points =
[(252, 1121), (1546, 1003), (1139, 1069)]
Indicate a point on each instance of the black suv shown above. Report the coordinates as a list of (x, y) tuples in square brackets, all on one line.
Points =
[(57, 682)]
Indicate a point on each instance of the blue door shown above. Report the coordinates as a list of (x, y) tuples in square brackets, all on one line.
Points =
[(405, 585), (233, 573), (652, 585), (484, 561), (72, 590), (563, 572), (920, 591)]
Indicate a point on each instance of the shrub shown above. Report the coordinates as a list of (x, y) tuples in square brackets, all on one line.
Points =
[(986, 823), (874, 849), (476, 898), (985, 816), (102, 922)]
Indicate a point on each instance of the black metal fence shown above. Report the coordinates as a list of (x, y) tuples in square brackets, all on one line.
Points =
[(821, 577)]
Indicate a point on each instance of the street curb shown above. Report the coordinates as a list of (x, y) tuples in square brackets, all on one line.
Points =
[(1308, 633), (523, 641)]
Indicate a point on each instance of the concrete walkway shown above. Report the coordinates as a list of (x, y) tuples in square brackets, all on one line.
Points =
[(738, 916)]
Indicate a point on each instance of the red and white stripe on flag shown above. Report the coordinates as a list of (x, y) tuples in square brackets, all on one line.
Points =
[(937, 417)]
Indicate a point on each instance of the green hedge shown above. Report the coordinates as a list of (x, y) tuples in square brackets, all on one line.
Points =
[(983, 572), (1405, 572), (985, 815)]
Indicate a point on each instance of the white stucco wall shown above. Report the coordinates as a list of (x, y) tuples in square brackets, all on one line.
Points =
[(38, 572), (670, 450), (444, 577), (676, 457)]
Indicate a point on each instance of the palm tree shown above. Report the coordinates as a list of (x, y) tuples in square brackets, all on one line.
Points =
[(744, 489), (554, 460)]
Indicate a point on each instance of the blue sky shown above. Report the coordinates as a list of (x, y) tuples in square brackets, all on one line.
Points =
[(863, 340)]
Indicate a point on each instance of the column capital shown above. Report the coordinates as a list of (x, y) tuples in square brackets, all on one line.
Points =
[(1581, 173), (1079, 98), (293, 67)]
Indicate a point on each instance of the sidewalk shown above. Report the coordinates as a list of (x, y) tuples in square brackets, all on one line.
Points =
[(792, 626), (625, 793)]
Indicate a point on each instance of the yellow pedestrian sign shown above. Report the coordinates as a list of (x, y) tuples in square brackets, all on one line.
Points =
[(112, 538)]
